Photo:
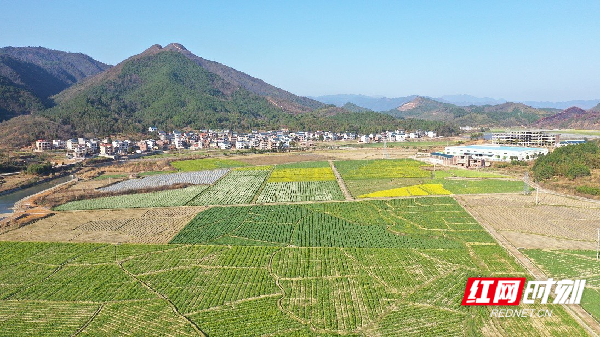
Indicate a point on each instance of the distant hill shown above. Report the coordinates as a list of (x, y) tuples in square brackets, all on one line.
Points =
[(172, 88), (386, 104), (355, 108), (466, 100), (30, 75), (583, 104), (573, 118), (428, 109), (506, 114), (372, 103)]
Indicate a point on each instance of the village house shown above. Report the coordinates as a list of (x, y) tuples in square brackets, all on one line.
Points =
[(42, 145)]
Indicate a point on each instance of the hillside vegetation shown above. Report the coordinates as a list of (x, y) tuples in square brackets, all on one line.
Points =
[(30, 75), (172, 88), (569, 161), (573, 169), (24, 130)]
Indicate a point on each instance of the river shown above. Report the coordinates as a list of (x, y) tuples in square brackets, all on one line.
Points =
[(7, 201)]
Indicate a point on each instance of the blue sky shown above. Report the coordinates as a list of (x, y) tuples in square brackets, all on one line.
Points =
[(517, 50)]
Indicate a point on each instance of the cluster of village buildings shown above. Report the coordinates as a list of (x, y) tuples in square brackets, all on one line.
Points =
[(210, 139)]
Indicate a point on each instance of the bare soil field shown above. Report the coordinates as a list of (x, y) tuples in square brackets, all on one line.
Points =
[(279, 158), (154, 225), (349, 153), (556, 223), (370, 153)]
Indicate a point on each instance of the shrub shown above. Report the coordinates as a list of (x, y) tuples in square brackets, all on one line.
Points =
[(544, 172), (578, 170), (585, 189), (39, 169)]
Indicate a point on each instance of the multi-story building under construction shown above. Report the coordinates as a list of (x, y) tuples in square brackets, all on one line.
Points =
[(526, 138)]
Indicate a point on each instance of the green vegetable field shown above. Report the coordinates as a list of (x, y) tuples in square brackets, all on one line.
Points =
[(573, 264), (328, 269)]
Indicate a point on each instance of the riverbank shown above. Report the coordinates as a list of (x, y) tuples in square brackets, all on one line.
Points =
[(8, 200)]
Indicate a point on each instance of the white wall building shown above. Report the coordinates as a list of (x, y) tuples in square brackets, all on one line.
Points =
[(496, 153)]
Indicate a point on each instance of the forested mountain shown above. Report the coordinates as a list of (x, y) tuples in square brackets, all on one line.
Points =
[(279, 97), (30, 75), (506, 114), (67, 68), (172, 88), (16, 99)]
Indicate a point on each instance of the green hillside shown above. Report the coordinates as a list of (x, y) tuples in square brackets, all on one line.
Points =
[(16, 100), (30, 75), (168, 88)]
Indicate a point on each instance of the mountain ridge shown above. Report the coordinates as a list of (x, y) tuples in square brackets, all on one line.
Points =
[(30, 75), (373, 102), (505, 114), (171, 88)]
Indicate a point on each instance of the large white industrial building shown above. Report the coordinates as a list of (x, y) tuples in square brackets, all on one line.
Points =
[(496, 153)]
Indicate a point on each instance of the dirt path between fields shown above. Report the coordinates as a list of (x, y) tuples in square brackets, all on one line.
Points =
[(579, 314), (340, 181)]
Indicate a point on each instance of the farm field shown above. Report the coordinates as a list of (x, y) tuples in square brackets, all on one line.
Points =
[(381, 168), (557, 222), (206, 164), (395, 178), (406, 144), (297, 191), (238, 187), (157, 180), (168, 198), (572, 264), (415, 190), (376, 267), (464, 173), (151, 225), (301, 174), (111, 176), (303, 181), (303, 171)]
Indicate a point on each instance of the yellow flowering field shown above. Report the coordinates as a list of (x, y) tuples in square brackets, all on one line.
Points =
[(381, 168), (415, 190), (301, 174), (434, 189)]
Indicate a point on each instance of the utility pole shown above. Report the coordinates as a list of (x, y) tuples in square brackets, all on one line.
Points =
[(385, 153), (526, 186), (537, 195), (598, 245)]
